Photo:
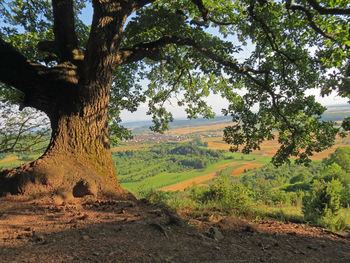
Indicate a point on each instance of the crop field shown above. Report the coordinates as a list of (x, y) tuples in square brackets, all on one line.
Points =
[(216, 128), (8, 159), (150, 176), (165, 179), (200, 179), (131, 147), (268, 148), (238, 168), (180, 180)]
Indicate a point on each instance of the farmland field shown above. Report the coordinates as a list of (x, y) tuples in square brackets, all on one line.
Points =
[(238, 169), (268, 148), (169, 172)]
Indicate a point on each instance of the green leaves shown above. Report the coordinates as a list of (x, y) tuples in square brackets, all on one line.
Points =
[(262, 56)]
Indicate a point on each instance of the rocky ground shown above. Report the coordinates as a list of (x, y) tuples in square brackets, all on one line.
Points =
[(90, 230)]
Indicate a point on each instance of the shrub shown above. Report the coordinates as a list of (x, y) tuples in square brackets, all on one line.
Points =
[(229, 197), (321, 206), (280, 197)]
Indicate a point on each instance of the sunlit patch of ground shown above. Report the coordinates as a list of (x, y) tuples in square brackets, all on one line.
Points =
[(9, 158)]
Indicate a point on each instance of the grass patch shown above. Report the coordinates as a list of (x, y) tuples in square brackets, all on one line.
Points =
[(165, 179)]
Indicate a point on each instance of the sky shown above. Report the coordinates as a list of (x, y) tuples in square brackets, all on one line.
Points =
[(215, 101)]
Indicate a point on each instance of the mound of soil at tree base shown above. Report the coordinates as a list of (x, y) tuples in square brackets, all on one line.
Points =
[(91, 230)]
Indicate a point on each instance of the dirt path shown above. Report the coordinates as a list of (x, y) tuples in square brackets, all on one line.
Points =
[(246, 167), (132, 231), (181, 186)]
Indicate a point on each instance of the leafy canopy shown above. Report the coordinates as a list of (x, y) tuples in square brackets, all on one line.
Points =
[(193, 48)]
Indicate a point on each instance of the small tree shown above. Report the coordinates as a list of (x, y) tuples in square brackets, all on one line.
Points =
[(26, 130), (323, 202)]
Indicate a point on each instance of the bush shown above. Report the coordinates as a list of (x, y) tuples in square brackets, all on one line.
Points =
[(229, 197), (279, 197), (321, 206)]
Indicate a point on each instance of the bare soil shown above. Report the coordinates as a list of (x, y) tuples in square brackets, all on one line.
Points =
[(91, 230)]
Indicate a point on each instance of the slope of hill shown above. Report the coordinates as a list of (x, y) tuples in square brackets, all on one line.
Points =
[(93, 230)]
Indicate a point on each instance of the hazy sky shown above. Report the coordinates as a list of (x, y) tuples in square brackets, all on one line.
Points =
[(217, 103)]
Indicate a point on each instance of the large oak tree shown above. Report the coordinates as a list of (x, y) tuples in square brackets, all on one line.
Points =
[(82, 76)]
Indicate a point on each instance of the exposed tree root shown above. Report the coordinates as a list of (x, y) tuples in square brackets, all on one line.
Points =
[(65, 177)]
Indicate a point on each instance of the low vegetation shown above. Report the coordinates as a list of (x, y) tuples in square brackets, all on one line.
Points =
[(317, 194)]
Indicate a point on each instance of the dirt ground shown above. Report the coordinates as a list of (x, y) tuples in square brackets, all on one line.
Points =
[(90, 230)]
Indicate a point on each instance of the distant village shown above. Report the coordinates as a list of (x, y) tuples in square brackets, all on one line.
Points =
[(165, 137)]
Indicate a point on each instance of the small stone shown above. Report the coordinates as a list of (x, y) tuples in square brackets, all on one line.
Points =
[(83, 217), (249, 229), (118, 229), (85, 237), (37, 237), (214, 233), (122, 211), (175, 220), (159, 228)]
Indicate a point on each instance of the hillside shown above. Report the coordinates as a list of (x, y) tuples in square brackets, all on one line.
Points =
[(133, 231)]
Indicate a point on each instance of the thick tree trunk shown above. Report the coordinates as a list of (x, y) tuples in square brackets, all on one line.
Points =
[(78, 160), (75, 95)]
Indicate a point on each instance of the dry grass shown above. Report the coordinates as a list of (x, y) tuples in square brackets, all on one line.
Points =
[(195, 129), (9, 158), (268, 148), (246, 167)]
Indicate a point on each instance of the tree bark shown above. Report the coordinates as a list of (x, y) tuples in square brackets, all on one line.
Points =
[(78, 160), (75, 95)]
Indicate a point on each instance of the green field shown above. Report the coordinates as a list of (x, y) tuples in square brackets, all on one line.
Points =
[(156, 166)]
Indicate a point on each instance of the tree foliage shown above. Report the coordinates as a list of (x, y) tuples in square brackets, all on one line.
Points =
[(188, 49)]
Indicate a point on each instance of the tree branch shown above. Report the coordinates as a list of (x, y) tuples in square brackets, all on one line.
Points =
[(269, 34), (206, 16), (15, 69), (310, 19), (142, 50), (137, 4), (328, 11), (41, 85), (64, 29), (202, 10)]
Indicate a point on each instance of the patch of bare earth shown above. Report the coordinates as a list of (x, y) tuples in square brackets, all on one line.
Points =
[(90, 230)]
